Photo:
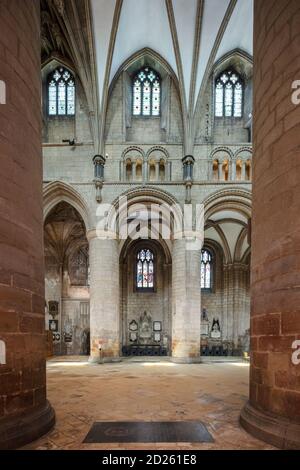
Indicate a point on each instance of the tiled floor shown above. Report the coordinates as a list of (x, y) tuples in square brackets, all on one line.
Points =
[(82, 393)]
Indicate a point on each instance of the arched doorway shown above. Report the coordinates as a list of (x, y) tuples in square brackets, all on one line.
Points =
[(67, 280), (225, 322), (146, 272)]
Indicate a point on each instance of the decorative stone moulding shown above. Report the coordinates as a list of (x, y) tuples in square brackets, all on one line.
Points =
[(99, 163)]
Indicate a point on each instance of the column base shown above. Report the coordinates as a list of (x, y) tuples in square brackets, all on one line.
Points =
[(272, 429), (26, 427)]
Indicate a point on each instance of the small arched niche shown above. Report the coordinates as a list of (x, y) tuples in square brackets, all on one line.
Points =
[(225, 170), (128, 169), (248, 170), (66, 278), (139, 170), (239, 166), (162, 170), (215, 169), (158, 165), (152, 170)]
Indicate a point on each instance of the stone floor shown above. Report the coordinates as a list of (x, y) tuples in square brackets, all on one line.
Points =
[(82, 393)]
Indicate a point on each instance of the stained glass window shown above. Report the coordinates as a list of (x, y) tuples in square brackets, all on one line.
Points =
[(145, 269), (61, 93), (229, 95), (146, 93), (206, 269)]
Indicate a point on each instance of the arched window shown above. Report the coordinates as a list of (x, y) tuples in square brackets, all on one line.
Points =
[(145, 270), (61, 93), (206, 270), (146, 93), (229, 95)]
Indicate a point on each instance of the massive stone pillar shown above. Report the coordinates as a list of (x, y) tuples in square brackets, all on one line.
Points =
[(273, 412), (25, 413), (186, 311), (104, 299)]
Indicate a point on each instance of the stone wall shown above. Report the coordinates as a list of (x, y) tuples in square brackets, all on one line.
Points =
[(274, 410), (22, 302), (157, 304), (126, 135)]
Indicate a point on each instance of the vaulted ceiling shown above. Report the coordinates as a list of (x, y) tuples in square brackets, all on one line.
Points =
[(96, 37), (191, 35)]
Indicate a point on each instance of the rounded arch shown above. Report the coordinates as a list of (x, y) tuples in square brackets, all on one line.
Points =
[(157, 148), (56, 192), (234, 199), (150, 193), (226, 150), (128, 245), (240, 151), (145, 195), (133, 148)]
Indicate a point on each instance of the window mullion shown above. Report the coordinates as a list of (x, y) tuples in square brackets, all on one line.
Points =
[(66, 98), (57, 99), (233, 102), (142, 100)]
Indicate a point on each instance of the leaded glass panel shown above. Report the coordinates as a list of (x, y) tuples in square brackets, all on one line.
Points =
[(206, 269), (145, 269), (146, 93), (61, 93), (229, 95)]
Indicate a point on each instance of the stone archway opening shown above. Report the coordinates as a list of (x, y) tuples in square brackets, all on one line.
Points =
[(67, 280), (146, 278)]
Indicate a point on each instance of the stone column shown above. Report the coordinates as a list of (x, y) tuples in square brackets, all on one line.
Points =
[(186, 304), (233, 170), (167, 171), (25, 414), (145, 171), (243, 175), (156, 171), (273, 412), (133, 171), (220, 168), (104, 299), (250, 171)]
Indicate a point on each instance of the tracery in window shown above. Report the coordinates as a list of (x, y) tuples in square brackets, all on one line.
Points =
[(229, 95), (146, 93), (61, 93), (145, 269), (206, 269)]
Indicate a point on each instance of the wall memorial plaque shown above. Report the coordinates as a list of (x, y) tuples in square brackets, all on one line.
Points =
[(133, 336), (133, 326), (157, 337), (53, 325)]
